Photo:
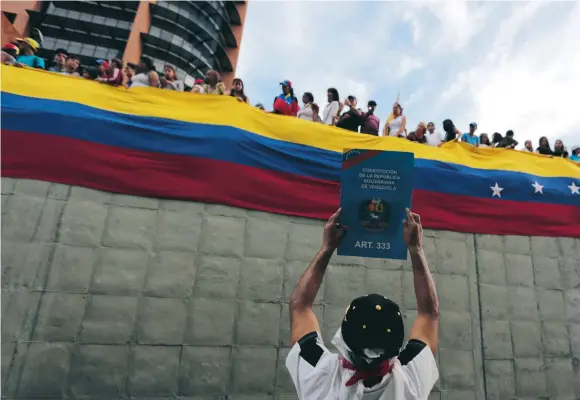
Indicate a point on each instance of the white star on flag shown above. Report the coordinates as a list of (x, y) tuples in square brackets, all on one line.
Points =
[(537, 187), (496, 190), (574, 189)]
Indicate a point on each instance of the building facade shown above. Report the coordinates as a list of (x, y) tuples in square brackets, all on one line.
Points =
[(194, 36)]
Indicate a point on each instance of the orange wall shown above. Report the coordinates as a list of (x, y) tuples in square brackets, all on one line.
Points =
[(20, 26), (140, 25)]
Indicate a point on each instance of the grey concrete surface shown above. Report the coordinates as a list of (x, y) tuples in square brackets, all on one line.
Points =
[(112, 296)]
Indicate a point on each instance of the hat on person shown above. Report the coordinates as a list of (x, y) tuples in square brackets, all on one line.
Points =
[(373, 327), (31, 42), (473, 124), (286, 83), (198, 81), (104, 63), (12, 47)]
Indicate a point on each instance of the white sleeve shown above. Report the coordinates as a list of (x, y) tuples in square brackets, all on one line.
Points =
[(312, 381), (422, 373), (333, 109)]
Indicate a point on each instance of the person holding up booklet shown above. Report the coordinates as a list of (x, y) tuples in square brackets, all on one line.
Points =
[(373, 364)]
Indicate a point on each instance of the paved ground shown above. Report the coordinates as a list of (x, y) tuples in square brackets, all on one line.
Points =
[(107, 296)]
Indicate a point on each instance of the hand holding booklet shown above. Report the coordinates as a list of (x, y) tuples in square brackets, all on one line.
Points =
[(375, 189)]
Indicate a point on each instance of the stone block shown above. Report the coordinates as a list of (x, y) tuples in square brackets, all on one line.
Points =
[(86, 194), (184, 207), (293, 270), (258, 324), (386, 283), (7, 185), (284, 382), (459, 395), (211, 322), (491, 267), (494, 301), (217, 277), (99, 370), (129, 228), (59, 317), (519, 270), (575, 340), (46, 229), (245, 362), (58, 191), (31, 187), (161, 321), (109, 319), (225, 211), (46, 370), (303, 241), (523, 304), (119, 271), (344, 284), (455, 236), (18, 312), (560, 379), (455, 330), (569, 248), (497, 340), (284, 336), (222, 236), (453, 292), (71, 269), (517, 245), (82, 223), (489, 242), (556, 339), (451, 256), (24, 265), (154, 371), (261, 279), (499, 377), (205, 370), (457, 371), (551, 304), (22, 217), (8, 350), (545, 246), (530, 377), (126, 200), (547, 273), (573, 305), (171, 274), (526, 337), (176, 232), (570, 269), (266, 239)]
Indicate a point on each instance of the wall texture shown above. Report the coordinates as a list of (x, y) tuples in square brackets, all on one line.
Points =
[(107, 296)]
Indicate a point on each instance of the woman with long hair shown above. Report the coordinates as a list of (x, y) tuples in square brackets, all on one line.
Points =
[(170, 81), (484, 140), (544, 147), (396, 123), (496, 139), (330, 113), (560, 149), (237, 91), (528, 148)]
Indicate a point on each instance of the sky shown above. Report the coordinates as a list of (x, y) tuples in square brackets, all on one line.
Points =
[(503, 65)]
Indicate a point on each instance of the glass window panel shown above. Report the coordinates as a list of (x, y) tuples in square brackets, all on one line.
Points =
[(155, 31), (101, 52), (86, 17), (97, 19), (73, 14), (123, 24), (177, 40), (166, 36), (61, 43), (49, 42), (74, 47), (110, 22)]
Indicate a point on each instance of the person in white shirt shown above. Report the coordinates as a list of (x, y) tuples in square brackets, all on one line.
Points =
[(330, 113), (396, 124), (370, 364), (310, 110), (528, 147), (434, 138)]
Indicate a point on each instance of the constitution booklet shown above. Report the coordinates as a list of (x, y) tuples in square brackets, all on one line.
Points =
[(375, 189)]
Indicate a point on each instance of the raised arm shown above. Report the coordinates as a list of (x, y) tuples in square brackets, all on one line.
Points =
[(302, 318), (426, 325)]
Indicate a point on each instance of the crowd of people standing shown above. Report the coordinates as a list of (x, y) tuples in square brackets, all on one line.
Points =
[(343, 114)]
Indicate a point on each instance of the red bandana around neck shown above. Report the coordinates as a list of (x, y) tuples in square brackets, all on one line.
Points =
[(384, 368)]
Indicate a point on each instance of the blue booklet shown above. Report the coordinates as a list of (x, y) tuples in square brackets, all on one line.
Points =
[(375, 189)]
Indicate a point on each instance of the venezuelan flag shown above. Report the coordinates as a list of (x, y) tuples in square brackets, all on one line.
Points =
[(161, 143)]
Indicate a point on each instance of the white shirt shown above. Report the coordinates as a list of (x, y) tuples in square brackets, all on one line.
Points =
[(306, 112), (140, 80), (434, 139), (394, 125), (330, 111), (327, 380)]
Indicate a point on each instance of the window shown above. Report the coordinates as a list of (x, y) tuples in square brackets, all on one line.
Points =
[(97, 19), (74, 47), (110, 22), (101, 52), (154, 31), (49, 43), (86, 17), (88, 49), (123, 24), (165, 36), (177, 40), (73, 14)]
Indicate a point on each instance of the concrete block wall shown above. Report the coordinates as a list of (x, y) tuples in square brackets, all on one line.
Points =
[(113, 296)]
